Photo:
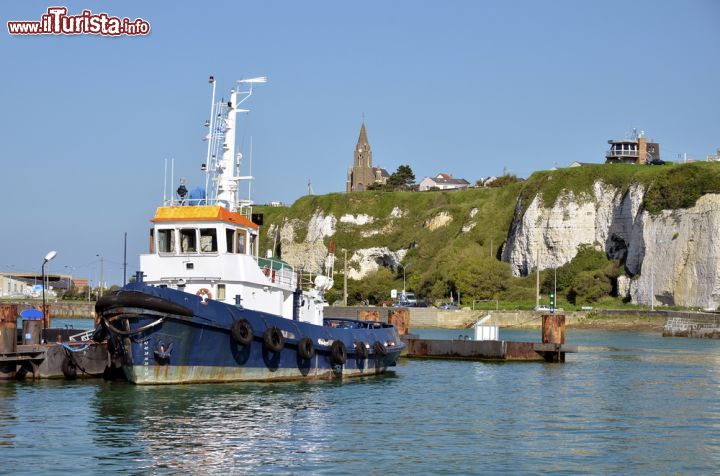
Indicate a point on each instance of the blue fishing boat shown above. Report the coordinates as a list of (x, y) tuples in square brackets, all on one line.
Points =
[(205, 306)]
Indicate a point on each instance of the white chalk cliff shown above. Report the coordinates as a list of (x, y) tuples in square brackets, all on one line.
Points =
[(310, 253), (681, 248)]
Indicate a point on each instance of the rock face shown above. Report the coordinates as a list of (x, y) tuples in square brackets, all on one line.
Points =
[(438, 221), (683, 256), (310, 253), (679, 247), (367, 260), (551, 236)]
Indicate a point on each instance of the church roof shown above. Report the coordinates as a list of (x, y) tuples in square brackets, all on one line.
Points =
[(362, 139), (383, 172)]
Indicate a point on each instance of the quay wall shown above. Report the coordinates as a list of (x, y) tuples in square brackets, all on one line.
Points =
[(63, 309)]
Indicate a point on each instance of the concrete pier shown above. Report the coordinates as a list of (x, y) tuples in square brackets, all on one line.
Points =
[(551, 349)]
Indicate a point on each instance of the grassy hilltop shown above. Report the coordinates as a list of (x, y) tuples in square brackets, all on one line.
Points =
[(448, 259)]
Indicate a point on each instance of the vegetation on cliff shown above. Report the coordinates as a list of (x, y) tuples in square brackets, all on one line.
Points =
[(462, 255)]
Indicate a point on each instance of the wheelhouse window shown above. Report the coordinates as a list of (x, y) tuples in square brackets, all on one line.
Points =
[(221, 292), (188, 240), (253, 244), (240, 242), (208, 240), (166, 241), (230, 240)]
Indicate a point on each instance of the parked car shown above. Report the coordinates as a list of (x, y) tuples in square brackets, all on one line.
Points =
[(409, 297), (541, 308), (448, 306)]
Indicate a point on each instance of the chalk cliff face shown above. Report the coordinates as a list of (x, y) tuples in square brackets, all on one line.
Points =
[(310, 253), (680, 245)]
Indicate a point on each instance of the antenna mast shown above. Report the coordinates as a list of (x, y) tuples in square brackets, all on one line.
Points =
[(222, 164)]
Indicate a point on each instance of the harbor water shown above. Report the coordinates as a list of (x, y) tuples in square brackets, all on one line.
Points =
[(628, 402)]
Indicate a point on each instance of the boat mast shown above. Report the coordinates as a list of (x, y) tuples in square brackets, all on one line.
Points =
[(210, 124), (225, 171)]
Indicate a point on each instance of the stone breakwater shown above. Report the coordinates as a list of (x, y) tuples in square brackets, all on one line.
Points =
[(681, 248)]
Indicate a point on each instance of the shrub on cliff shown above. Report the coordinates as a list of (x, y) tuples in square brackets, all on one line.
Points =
[(588, 277)]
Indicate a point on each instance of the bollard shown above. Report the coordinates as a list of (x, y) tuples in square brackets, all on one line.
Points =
[(8, 338), (553, 329), (400, 318), (31, 331)]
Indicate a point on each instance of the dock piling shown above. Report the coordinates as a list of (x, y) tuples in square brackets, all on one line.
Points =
[(8, 338)]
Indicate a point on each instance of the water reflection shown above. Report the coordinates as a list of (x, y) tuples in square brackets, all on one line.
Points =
[(635, 403), (196, 428)]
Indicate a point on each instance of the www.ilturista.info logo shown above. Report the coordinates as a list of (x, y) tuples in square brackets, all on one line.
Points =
[(57, 22)]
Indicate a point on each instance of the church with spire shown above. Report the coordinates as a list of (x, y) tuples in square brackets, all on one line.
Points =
[(362, 174)]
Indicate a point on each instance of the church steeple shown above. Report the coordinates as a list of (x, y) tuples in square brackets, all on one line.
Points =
[(363, 153), (362, 174)]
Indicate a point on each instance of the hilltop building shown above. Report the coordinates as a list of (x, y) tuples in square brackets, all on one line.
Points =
[(443, 182), (362, 174), (636, 150)]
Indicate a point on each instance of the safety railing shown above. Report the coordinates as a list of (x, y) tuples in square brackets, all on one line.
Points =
[(621, 153), (279, 272)]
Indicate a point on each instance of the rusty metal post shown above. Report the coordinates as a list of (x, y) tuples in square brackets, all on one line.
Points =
[(553, 332), (8, 338), (46, 316), (553, 328)]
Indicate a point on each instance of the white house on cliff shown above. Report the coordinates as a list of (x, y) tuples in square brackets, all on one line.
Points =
[(443, 182)]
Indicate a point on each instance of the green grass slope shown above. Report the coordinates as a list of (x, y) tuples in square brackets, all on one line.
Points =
[(448, 260)]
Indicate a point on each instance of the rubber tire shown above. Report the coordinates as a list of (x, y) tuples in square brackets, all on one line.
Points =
[(273, 339), (69, 369), (338, 352), (361, 350), (379, 348), (241, 332), (306, 349)]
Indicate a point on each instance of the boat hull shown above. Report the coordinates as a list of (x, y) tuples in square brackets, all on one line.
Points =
[(193, 343)]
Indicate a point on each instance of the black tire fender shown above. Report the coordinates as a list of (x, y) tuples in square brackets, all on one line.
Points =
[(69, 369), (338, 352), (273, 339), (241, 332), (379, 348), (361, 350), (306, 348)]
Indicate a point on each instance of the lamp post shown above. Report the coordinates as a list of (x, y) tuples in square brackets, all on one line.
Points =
[(48, 257), (100, 283), (403, 267), (71, 270), (10, 268), (345, 278)]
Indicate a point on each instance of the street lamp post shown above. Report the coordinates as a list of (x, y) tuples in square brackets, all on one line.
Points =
[(48, 257), (345, 278), (403, 267), (70, 269), (100, 283)]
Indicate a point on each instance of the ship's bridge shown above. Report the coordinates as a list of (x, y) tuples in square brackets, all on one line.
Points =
[(207, 245)]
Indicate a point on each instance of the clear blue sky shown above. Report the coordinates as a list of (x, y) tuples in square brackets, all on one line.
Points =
[(468, 88)]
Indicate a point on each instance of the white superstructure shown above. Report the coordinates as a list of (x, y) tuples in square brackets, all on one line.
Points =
[(208, 245)]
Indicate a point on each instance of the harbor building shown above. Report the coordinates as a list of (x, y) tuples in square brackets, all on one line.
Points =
[(635, 150), (362, 174)]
